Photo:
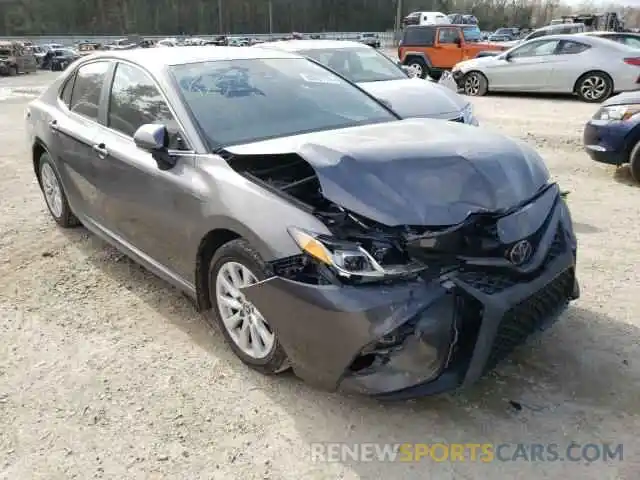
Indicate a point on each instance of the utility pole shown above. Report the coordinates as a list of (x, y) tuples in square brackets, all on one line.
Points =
[(220, 23), (398, 20), (270, 16)]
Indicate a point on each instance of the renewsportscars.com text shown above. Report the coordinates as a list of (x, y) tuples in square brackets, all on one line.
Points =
[(467, 452)]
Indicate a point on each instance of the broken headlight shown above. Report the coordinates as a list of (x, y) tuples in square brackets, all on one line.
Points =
[(347, 258)]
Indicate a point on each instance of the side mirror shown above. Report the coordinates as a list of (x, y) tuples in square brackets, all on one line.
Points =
[(506, 57), (406, 69), (154, 138)]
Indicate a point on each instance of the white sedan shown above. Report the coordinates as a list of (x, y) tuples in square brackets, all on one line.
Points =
[(590, 67)]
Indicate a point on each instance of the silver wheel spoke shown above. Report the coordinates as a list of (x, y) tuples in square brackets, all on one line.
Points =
[(234, 321), (51, 189), (246, 326), (231, 302)]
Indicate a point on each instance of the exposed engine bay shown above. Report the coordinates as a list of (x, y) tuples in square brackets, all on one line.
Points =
[(418, 249)]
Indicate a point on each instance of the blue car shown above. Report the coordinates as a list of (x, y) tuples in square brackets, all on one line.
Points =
[(612, 136)]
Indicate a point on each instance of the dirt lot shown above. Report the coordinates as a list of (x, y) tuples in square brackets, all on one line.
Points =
[(107, 372)]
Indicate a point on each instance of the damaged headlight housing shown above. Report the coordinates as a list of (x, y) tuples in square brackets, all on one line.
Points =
[(468, 115), (348, 259)]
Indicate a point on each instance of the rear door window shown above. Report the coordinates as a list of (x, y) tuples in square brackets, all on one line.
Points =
[(632, 42), (87, 89), (570, 48)]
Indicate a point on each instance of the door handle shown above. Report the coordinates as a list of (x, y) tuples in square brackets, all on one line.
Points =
[(101, 150), (53, 125)]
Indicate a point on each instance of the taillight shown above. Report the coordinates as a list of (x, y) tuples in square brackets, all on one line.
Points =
[(633, 61)]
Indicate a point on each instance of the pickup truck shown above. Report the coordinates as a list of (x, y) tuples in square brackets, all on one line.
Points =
[(429, 50)]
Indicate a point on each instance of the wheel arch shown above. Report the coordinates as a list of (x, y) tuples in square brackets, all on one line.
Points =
[(421, 55), (37, 150), (226, 230)]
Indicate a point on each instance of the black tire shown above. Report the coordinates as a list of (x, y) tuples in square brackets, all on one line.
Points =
[(240, 251), (634, 162), (419, 66), (66, 219), (594, 87), (475, 84)]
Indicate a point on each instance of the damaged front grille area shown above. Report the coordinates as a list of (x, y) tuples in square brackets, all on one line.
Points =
[(530, 316), (493, 281), (515, 326)]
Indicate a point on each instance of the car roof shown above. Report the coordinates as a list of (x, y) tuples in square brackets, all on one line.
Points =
[(604, 34), (158, 58), (298, 45), (593, 40)]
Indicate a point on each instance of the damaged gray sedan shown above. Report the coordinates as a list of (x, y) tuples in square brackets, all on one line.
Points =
[(371, 254)]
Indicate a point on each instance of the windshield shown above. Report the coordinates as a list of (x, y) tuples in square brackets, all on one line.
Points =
[(472, 33), (241, 101), (357, 64)]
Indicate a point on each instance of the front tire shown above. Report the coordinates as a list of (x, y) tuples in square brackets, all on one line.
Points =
[(475, 84), (417, 68), (594, 87), (634, 162), (54, 195), (248, 333)]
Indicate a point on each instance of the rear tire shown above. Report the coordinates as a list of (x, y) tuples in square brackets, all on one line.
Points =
[(54, 195), (233, 313), (475, 84), (634, 162), (594, 87)]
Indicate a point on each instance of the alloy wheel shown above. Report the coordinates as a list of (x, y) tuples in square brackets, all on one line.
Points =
[(245, 324), (415, 70), (52, 190), (472, 84), (593, 87)]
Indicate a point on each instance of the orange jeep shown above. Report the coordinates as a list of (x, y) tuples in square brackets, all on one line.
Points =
[(432, 49)]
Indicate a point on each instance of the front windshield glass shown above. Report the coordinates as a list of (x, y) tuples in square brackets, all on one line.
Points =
[(241, 101), (472, 34), (357, 64)]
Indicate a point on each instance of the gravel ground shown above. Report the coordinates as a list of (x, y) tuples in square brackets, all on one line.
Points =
[(106, 372)]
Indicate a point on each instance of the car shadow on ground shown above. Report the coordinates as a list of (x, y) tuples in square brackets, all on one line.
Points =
[(535, 95), (623, 175), (580, 375)]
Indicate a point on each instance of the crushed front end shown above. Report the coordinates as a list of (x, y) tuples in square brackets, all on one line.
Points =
[(406, 311)]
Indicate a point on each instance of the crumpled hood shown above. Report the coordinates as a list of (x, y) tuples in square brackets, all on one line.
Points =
[(416, 171), (415, 97)]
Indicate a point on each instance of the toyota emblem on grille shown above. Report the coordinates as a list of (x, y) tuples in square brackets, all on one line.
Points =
[(520, 252)]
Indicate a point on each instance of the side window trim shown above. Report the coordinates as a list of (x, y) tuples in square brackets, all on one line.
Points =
[(103, 108), (111, 78), (69, 82)]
